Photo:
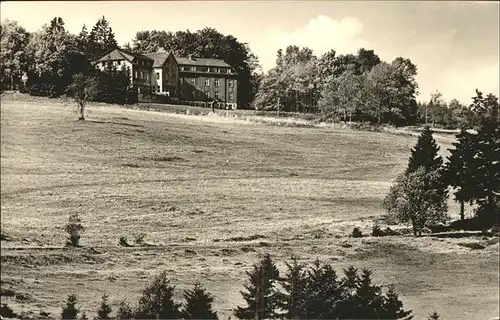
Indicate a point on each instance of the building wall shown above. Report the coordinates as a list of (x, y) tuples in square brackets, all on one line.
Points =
[(200, 91), (142, 75)]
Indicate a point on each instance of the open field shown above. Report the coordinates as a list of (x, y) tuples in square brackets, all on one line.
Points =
[(193, 184)]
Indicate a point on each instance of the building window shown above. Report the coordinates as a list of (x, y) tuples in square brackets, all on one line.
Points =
[(182, 68), (192, 81), (147, 75), (158, 76), (136, 74), (230, 83), (230, 96), (207, 82), (194, 93), (228, 70), (216, 82), (216, 95), (207, 94), (158, 88)]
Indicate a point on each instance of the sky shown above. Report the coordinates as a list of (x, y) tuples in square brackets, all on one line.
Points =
[(455, 45)]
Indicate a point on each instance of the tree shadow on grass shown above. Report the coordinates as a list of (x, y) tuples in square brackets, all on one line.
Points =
[(118, 123)]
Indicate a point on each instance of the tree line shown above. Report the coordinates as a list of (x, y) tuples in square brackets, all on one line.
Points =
[(52, 56), (303, 292), (472, 171)]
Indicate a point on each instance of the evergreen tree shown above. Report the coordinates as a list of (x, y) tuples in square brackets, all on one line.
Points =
[(425, 153), (157, 301), (84, 316), (323, 292), (460, 168), (69, 311), (434, 316), (295, 296), (198, 304), (101, 39), (261, 295), (393, 307), (124, 311), (105, 309), (486, 181)]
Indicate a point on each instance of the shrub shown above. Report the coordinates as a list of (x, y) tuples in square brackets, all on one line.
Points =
[(139, 239), (356, 233), (74, 228), (69, 311), (378, 232), (124, 311), (123, 242), (434, 316)]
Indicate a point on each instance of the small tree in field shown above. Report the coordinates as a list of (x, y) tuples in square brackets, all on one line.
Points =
[(74, 228), (434, 316), (413, 199), (82, 89), (70, 311), (157, 301), (198, 304), (105, 309)]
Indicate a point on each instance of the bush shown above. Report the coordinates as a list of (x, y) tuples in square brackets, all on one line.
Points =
[(74, 228), (356, 233), (124, 311), (123, 242), (7, 312), (139, 239), (377, 232)]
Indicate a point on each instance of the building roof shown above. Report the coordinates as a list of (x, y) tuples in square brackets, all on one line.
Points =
[(204, 62), (119, 54), (159, 58)]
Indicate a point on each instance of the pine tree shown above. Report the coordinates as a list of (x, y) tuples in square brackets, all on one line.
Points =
[(393, 307), (101, 39), (295, 296), (486, 182), (425, 154), (157, 300), (105, 309), (124, 311), (84, 316), (198, 304), (261, 295), (434, 316), (323, 292), (70, 311), (460, 168)]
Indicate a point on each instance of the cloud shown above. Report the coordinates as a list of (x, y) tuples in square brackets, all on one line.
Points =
[(320, 34)]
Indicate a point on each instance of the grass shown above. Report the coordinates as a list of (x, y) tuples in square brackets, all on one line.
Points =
[(210, 194)]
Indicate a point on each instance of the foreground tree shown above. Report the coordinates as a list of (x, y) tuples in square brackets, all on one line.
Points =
[(82, 89), (417, 198), (261, 295), (105, 310), (198, 304), (157, 300), (295, 295), (69, 311)]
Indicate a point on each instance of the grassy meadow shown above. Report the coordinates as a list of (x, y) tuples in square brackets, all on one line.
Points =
[(211, 194)]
